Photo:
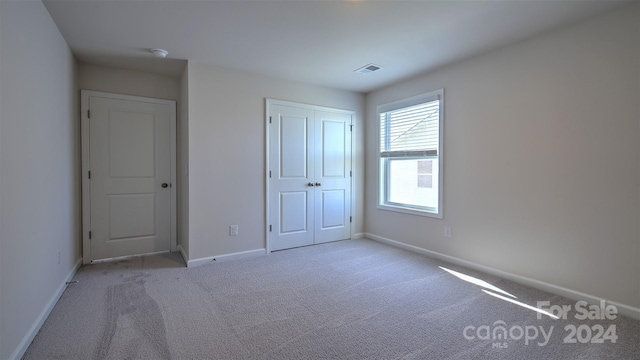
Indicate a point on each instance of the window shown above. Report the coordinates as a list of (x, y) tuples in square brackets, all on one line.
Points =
[(411, 155)]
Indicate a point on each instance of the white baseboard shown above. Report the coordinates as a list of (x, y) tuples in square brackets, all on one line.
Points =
[(225, 257), (33, 331), (623, 309), (357, 236), (184, 254)]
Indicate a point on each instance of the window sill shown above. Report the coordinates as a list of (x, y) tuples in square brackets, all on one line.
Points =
[(412, 211)]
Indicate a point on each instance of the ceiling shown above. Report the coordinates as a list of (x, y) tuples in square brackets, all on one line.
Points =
[(318, 42)]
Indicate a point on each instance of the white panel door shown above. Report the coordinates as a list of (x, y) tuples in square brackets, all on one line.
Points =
[(130, 177), (291, 193), (332, 176), (310, 176)]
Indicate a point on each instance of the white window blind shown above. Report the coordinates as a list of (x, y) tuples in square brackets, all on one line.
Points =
[(410, 132)]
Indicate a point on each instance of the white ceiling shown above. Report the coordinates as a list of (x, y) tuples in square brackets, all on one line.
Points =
[(318, 42)]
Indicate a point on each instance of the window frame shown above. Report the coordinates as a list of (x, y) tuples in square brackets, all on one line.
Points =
[(384, 173)]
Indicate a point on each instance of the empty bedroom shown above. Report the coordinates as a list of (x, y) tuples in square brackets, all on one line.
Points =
[(319, 179)]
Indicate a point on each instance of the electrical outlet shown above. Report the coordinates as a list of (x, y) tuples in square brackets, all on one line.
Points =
[(233, 230), (447, 232)]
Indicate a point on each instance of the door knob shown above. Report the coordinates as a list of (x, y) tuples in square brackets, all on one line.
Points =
[(164, 185), (318, 184), (310, 184)]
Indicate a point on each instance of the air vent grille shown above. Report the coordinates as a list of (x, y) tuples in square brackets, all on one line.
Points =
[(367, 69)]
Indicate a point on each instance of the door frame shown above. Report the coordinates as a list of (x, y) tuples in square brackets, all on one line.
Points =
[(268, 103), (86, 185)]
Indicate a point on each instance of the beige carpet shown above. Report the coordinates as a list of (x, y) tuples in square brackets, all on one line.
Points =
[(353, 299)]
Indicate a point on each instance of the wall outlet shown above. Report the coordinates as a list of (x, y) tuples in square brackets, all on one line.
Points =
[(447, 232), (233, 230)]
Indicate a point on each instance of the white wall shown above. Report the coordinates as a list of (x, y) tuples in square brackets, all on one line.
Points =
[(542, 171), (227, 154), (183, 165), (40, 178), (128, 82)]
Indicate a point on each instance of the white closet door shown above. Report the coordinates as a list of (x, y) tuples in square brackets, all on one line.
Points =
[(292, 170), (310, 176), (332, 176), (130, 164)]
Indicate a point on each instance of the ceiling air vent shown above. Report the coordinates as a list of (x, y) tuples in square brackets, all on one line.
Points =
[(367, 69)]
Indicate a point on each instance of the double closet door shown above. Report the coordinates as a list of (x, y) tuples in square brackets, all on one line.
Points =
[(309, 169)]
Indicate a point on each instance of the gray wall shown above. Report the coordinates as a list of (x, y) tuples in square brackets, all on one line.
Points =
[(227, 154), (40, 170), (183, 165), (542, 145), (128, 82)]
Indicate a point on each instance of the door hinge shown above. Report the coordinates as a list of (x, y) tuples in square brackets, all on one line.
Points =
[(89, 114), (269, 119), (350, 127), (89, 235), (270, 228), (350, 173), (350, 219), (89, 174), (269, 173)]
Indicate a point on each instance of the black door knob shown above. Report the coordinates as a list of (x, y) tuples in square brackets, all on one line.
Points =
[(164, 185)]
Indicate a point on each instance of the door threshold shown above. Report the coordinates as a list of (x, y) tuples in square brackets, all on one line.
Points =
[(118, 258)]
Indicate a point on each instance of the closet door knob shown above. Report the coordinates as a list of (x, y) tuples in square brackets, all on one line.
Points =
[(318, 184), (310, 184)]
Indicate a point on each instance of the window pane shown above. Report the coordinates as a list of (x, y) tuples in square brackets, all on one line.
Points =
[(425, 167), (404, 189), (425, 181)]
